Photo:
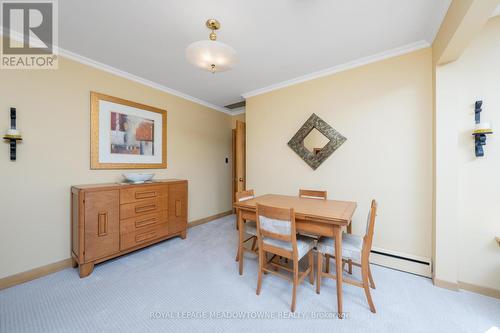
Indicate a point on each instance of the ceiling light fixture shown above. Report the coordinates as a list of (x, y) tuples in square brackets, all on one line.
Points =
[(211, 55)]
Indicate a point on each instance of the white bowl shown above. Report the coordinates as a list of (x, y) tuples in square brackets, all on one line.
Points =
[(138, 177)]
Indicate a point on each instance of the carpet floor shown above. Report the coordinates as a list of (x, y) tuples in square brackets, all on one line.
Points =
[(193, 285)]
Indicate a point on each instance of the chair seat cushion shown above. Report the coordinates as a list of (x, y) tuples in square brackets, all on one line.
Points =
[(304, 244), (351, 246), (250, 228)]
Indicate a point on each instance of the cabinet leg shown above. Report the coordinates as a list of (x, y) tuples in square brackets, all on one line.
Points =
[(74, 263), (183, 234), (86, 269)]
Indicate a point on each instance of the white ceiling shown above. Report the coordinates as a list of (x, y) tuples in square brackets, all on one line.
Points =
[(276, 40)]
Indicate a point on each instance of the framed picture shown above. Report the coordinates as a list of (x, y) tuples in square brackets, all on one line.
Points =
[(126, 135)]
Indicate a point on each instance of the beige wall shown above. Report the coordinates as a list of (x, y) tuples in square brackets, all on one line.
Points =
[(473, 214), (384, 110), (54, 117)]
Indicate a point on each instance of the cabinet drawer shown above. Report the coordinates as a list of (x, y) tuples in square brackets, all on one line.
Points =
[(143, 235), (138, 223), (142, 208), (134, 193)]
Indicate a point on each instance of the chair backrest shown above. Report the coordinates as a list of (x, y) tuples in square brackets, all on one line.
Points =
[(276, 223), (313, 194), (245, 195), (370, 227)]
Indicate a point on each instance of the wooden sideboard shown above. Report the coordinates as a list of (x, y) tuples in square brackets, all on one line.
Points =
[(109, 220)]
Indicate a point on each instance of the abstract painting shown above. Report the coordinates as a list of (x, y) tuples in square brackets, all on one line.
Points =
[(126, 135)]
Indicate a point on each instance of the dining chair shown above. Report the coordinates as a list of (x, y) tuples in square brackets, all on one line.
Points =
[(356, 250), (313, 194), (276, 235), (250, 228)]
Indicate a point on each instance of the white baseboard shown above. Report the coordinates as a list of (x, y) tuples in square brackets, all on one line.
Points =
[(401, 261)]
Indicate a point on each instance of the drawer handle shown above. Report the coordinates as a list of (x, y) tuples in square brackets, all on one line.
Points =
[(178, 208), (147, 208), (145, 237), (143, 223), (143, 195), (102, 224)]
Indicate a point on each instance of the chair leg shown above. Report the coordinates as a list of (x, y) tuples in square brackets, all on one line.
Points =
[(349, 266), (254, 242), (372, 284), (240, 242), (327, 263), (311, 266), (261, 265), (319, 269), (238, 252), (240, 259), (366, 287), (295, 283)]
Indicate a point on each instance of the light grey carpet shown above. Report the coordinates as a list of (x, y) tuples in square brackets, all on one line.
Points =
[(178, 279)]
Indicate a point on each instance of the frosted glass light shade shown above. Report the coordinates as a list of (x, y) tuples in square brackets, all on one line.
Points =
[(212, 56)]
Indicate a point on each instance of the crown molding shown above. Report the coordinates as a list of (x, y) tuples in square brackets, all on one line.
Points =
[(239, 111), (89, 62), (118, 72), (340, 68)]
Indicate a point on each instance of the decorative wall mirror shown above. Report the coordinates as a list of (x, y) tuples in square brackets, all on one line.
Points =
[(315, 141)]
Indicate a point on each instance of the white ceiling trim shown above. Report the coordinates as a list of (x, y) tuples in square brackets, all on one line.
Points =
[(138, 79), (238, 111), (98, 65), (340, 68)]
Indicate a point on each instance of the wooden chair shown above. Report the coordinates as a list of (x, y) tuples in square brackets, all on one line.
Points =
[(250, 227), (313, 194), (277, 235), (355, 250)]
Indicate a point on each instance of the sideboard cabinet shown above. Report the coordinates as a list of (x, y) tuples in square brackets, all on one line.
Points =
[(109, 220)]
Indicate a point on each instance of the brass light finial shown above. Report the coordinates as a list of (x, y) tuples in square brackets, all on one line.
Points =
[(213, 25)]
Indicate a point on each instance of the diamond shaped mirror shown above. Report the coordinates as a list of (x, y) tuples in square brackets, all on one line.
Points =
[(315, 141)]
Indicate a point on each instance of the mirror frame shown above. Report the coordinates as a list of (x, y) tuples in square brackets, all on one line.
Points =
[(312, 159)]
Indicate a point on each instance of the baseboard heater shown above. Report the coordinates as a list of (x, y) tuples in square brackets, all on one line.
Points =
[(401, 261)]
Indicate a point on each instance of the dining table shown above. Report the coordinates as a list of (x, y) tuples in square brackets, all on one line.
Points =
[(312, 216)]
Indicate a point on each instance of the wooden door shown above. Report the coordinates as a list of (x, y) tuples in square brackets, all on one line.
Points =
[(240, 157), (177, 207), (102, 224)]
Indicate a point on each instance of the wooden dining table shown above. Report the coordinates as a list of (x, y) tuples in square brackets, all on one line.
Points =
[(312, 216)]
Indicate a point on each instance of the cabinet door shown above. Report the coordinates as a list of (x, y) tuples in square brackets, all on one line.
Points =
[(102, 224), (177, 207)]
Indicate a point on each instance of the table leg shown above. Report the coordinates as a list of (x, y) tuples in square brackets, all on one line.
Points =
[(338, 265), (349, 228), (349, 262), (240, 241)]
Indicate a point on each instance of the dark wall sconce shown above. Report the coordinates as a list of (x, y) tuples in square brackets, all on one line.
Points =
[(12, 135), (481, 130)]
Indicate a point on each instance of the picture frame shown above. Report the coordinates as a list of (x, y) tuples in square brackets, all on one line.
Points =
[(126, 134), (316, 157)]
